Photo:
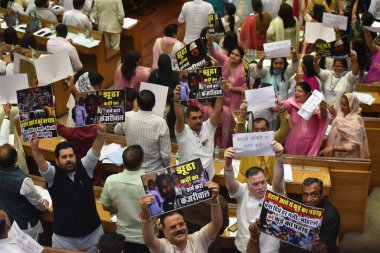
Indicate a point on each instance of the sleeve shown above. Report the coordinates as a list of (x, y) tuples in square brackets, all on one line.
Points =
[(182, 16), (271, 36), (221, 58), (49, 174), (202, 238), (263, 72), (156, 53), (31, 193), (165, 145), (240, 193), (351, 78), (4, 132), (292, 68), (285, 127), (120, 12), (324, 75), (105, 198), (75, 61), (89, 162)]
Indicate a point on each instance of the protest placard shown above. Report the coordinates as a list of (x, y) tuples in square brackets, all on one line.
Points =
[(22, 241), (315, 30), (201, 84), (53, 67), (9, 84), (308, 108), (259, 99), (253, 144), (105, 106), (192, 56), (160, 94), (332, 20), (338, 49), (215, 25), (184, 184), (277, 49), (37, 113), (289, 220)]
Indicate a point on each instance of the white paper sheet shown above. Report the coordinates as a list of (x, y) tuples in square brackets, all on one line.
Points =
[(314, 31), (9, 84), (332, 20), (288, 173), (373, 29), (277, 49), (52, 68), (17, 57), (81, 39), (23, 241), (365, 98), (160, 93), (43, 31), (128, 22), (45, 194), (3, 25), (308, 108), (259, 99), (253, 144)]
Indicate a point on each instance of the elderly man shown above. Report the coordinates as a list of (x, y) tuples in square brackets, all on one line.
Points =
[(76, 224), (250, 197), (312, 195), (175, 229), (196, 138)]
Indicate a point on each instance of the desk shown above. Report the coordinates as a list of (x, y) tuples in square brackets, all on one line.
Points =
[(374, 91), (130, 39)]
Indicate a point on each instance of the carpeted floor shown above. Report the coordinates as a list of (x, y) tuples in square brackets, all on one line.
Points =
[(369, 240)]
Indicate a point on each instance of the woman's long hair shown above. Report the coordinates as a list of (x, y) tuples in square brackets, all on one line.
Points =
[(230, 42), (286, 14), (129, 65), (230, 11)]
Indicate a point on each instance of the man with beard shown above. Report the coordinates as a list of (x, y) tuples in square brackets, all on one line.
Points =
[(175, 229), (76, 223), (169, 192)]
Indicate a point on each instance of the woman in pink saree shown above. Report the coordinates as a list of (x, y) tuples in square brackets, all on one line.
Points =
[(306, 136), (347, 137)]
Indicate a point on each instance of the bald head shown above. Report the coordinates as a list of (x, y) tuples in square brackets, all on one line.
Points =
[(8, 156)]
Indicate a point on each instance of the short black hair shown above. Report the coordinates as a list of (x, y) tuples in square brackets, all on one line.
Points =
[(131, 94), (8, 156), (343, 61), (92, 97), (253, 171), (257, 120), (62, 145), (3, 222), (367, 18), (171, 30), (61, 30), (40, 3), (304, 86), (78, 4), (192, 108), (311, 180), (111, 243), (161, 178), (95, 78), (10, 36), (133, 156), (163, 216), (146, 100)]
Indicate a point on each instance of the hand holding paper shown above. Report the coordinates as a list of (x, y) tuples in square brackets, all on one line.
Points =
[(254, 144), (259, 99), (277, 49)]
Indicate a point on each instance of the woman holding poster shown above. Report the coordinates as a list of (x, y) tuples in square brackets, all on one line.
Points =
[(306, 136)]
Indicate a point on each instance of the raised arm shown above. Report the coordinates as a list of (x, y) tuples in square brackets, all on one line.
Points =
[(38, 156), (354, 63), (241, 118), (213, 228), (229, 177), (99, 141), (278, 173), (369, 41), (4, 131), (179, 116), (254, 239), (214, 118), (151, 241)]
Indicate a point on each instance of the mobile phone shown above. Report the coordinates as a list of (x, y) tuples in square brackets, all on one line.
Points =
[(233, 227), (21, 27), (40, 32), (47, 34)]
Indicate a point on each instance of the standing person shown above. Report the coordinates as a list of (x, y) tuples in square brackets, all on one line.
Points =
[(76, 17), (250, 197), (42, 10), (195, 15), (347, 137), (196, 138), (230, 20), (169, 45), (148, 130), (126, 206), (254, 28), (109, 16), (76, 224)]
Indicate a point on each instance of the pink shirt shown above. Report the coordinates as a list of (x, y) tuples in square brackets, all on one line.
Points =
[(141, 75)]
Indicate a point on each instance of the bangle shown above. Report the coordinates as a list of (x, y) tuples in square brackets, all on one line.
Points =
[(253, 240)]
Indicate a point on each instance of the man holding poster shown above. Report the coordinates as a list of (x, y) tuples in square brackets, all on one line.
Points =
[(175, 229), (250, 196)]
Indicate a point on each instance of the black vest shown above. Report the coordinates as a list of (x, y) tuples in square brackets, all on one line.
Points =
[(74, 208), (12, 202)]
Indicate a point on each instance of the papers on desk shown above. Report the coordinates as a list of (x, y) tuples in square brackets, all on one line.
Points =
[(308, 108), (365, 98), (288, 173), (128, 22), (232, 221), (44, 32), (81, 39), (259, 99), (112, 153), (21, 28), (277, 49), (332, 20), (23, 241), (253, 144), (161, 93), (45, 194), (9, 84)]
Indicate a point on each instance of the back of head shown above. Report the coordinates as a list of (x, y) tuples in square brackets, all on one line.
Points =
[(230, 41), (62, 145), (286, 14), (257, 6), (171, 30), (10, 36), (367, 18), (164, 63), (61, 30), (230, 11), (78, 4), (305, 87), (129, 64), (40, 3), (8, 156), (111, 243), (133, 157), (146, 100), (131, 94), (308, 61), (95, 78)]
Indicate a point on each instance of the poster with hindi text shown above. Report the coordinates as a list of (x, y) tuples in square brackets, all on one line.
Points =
[(253, 144), (215, 25), (337, 49), (176, 186), (192, 56), (289, 220)]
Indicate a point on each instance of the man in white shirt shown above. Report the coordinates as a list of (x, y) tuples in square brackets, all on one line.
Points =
[(250, 196), (60, 43), (76, 17), (196, 138), (195, 15), (7, 244), (149, 131)]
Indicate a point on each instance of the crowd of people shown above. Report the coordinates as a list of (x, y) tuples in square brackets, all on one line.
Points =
[(197, 127)]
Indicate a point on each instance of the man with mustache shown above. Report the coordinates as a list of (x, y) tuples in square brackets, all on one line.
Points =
[(76, 224), (196, 138), (175, 229)]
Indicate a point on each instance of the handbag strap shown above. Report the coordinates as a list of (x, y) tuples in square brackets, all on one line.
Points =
[(30, 14)]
